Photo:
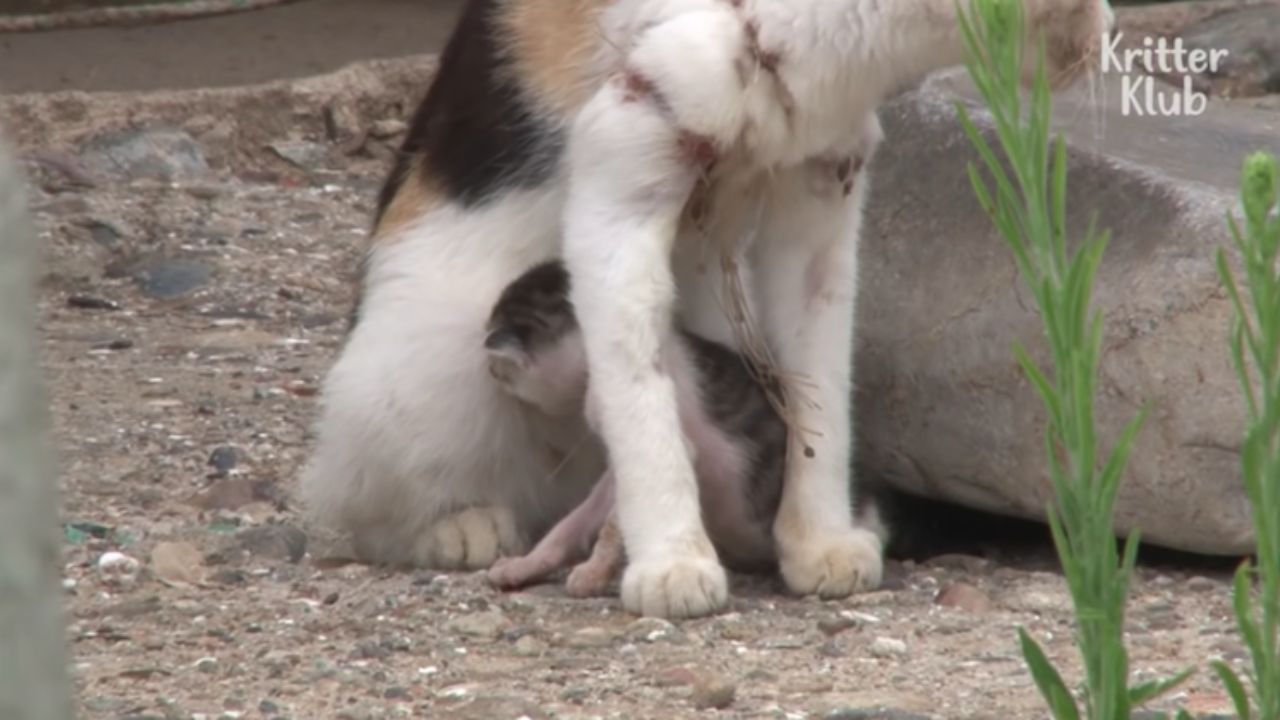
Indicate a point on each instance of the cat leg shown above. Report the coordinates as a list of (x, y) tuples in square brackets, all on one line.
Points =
[(806, 264), (568, 540), (593, 576)]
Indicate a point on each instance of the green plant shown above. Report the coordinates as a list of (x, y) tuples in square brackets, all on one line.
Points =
[(1027, 203), (1255, 351)]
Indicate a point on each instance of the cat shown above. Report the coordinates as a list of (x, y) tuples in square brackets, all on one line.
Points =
[(705, 150), (737, 439)]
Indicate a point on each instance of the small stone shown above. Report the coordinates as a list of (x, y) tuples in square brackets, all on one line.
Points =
[(832, 649), (886, 647), (652, 629), (589, 637), (266, 707), (529, 646), (963, 596), (577, 694), (371, 650), (785, 643), (207, 665), (397, 693), (91, 302), (305, 155), (833, 625), (118, 569), (177, 563), (390, 127), (102, 233), (168, 278), (164, 154), (712, 692), (959, 561), (1201, 584), (223, 459), (487, 625), (278, 541), (495, 707)]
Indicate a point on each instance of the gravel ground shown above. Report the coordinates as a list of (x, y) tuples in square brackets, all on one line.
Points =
[(197, 286)]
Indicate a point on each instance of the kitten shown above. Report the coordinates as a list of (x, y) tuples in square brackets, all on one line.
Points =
[(737, 439), (690, 150)]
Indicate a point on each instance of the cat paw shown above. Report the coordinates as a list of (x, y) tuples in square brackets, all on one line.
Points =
[(509, 573), (589, 579), (675, 586), (833, 565), (472, 539)]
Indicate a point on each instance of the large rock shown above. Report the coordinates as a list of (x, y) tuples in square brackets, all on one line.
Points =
[(943, 408)]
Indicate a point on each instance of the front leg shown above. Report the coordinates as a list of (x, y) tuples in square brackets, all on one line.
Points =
[(806, 265), (631, 172)]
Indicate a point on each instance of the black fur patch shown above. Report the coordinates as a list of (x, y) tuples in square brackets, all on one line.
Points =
[(474, 131)]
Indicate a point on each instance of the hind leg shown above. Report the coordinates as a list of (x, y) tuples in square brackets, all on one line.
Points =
[(567, 541), (593, 576), (807, 265)]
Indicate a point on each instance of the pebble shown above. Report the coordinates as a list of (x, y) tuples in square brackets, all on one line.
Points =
[(712, 692), (963, 596), (166, 278), (959, 561), (301, 153), (389, 127), (207, 665), (530, 646), (223, 459), (91, 302), (118, 569), (833, 625), (886, 647), (651, 629), (158, 153), (589, 637), (486, 625), (1200, 584), (277, 541)]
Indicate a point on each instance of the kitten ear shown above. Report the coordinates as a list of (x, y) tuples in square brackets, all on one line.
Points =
[(502, 338), (507, 354)]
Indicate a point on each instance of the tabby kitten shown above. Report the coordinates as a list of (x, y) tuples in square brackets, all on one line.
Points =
[(736, 438)]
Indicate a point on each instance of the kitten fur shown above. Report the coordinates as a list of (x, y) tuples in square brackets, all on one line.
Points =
[(738, 441), (705, 150)]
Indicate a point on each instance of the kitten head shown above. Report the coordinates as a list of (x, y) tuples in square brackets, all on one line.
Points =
[(534, 344)]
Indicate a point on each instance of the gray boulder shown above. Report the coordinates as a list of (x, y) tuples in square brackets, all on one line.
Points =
[(943, 408)]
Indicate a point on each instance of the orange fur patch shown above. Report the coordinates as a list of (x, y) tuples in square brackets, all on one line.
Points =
[(414, 199), (553, 44)]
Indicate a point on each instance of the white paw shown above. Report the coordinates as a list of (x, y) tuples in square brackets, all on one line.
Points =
[(833, 565), (675, 586), (472, 539)]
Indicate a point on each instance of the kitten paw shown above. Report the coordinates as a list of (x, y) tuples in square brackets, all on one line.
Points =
[(509, 573), (472, 539), (833, 566), (675, 586), (589, 579)]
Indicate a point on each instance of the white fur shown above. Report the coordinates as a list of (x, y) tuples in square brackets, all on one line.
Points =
[(414, 424)]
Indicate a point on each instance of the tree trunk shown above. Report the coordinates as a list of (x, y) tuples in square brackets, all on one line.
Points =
[(33, 665)]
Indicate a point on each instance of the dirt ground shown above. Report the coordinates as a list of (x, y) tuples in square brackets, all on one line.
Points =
[(197, 287)]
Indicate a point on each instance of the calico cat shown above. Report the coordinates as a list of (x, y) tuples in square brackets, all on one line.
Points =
[(705, 150)]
